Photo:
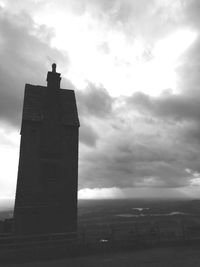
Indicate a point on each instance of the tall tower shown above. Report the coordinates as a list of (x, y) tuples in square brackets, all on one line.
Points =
[(46, 194)]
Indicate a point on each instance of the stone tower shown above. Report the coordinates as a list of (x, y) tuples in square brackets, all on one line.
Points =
[(46, 194)]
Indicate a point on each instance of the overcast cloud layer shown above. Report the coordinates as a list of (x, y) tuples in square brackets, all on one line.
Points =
[(133, 140)]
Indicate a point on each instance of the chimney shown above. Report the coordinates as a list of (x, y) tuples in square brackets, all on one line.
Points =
[(53, 78)]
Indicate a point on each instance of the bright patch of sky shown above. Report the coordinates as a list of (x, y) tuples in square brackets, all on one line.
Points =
[(9, 156), (105, 56)]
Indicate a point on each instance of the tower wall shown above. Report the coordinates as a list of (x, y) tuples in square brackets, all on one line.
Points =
[(46, 194)]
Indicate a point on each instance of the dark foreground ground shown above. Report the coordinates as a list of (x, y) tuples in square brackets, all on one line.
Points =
[(174, 220), (170, 257)]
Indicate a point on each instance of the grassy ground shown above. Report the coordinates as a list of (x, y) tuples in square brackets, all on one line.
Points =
[(162, 257)]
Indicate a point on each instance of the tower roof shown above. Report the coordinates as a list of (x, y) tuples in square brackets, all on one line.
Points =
[(34, 100)]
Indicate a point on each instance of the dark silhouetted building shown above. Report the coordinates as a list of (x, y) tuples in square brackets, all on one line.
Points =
[(46, 194)]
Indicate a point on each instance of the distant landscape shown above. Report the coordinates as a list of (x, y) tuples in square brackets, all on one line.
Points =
[(139, 221), (114, 210), (100, 211)]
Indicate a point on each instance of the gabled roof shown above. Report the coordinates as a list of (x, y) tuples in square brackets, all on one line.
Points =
[(34, 99)]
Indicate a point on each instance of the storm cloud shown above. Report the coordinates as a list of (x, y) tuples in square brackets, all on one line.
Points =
[(133, 140), (24, 53)]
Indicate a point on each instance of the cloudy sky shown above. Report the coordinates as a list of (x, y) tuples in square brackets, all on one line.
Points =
[(135, 69)]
